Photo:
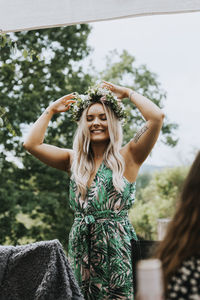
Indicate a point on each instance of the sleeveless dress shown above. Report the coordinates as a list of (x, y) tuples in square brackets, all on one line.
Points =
[(100, 238)]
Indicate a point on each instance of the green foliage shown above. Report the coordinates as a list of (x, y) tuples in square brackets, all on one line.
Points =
[(10, 196), (4, 119), (142, 181), (157, 200), (5, 40), (28, 86), (34, 198)]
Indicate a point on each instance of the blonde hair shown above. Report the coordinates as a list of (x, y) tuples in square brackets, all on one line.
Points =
[(83, 162)]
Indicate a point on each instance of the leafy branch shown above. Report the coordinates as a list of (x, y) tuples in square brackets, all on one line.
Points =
[(4, 119), (6, 40)]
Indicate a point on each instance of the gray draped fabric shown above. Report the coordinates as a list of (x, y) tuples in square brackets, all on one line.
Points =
[(18, 15), (38, 271)]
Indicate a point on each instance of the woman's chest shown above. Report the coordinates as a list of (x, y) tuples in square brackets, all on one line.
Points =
[(102, 195)]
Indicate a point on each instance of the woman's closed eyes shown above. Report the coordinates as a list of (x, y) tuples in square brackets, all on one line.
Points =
[(101, 117)]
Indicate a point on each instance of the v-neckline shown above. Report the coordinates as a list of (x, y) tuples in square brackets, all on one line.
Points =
[(93, 181)]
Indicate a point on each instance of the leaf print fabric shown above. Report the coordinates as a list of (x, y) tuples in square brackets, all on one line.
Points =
[(100, 238)]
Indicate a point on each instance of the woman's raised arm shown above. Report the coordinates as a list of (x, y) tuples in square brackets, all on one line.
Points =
[(141, 145), (51, 155), (144, 140)]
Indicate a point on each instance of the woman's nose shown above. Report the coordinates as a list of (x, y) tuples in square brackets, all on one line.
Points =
[(95, 121)]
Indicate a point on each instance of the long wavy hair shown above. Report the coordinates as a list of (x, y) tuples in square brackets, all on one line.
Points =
[(183, 235), (83, 162)]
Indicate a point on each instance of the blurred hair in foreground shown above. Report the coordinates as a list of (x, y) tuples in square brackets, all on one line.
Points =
[(182, 239)]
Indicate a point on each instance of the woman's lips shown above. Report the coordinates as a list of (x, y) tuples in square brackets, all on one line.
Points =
[(97, 131)]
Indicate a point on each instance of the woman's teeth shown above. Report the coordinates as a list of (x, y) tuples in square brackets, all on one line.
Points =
[(96, 131)]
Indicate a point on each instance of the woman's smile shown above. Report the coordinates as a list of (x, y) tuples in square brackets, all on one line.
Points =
[(97, 131)]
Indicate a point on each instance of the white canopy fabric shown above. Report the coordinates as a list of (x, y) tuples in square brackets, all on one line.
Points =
[(19, 15)]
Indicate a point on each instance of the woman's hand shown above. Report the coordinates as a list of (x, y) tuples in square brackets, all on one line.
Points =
[(120, 91), (62, 104)]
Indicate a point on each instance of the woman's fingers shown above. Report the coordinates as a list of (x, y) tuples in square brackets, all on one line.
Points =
[(116, 89), (70, 101), (107, 82), (68, 97), (67, 107), (108, 85)]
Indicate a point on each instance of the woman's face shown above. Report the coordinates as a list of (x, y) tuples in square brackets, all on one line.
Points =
[(97, 123)]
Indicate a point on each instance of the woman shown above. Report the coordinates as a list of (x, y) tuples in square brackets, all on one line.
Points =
[(102, 183), (180, 250)]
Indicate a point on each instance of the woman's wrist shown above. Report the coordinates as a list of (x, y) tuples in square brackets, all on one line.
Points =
[(129, 92), (49, 111)]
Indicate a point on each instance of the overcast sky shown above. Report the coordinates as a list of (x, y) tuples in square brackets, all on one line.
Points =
[(170, 46)]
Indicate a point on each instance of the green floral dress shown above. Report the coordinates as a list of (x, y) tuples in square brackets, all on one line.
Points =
[(100, 238)]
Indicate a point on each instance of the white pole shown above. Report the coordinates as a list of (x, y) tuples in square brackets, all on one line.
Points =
[(162, 228)]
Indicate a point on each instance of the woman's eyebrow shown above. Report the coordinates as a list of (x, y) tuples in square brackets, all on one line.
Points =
[(91, 115)]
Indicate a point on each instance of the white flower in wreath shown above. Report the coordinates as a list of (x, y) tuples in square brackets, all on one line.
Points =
[(84, 97)]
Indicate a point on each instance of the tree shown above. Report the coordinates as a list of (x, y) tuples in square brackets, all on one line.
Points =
[(157, 200), (142, 182), (35, 191)]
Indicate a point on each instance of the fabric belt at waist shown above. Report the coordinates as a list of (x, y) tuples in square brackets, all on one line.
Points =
[(90, 218)]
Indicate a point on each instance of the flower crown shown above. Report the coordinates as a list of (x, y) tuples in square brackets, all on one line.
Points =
[(93, 95)]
